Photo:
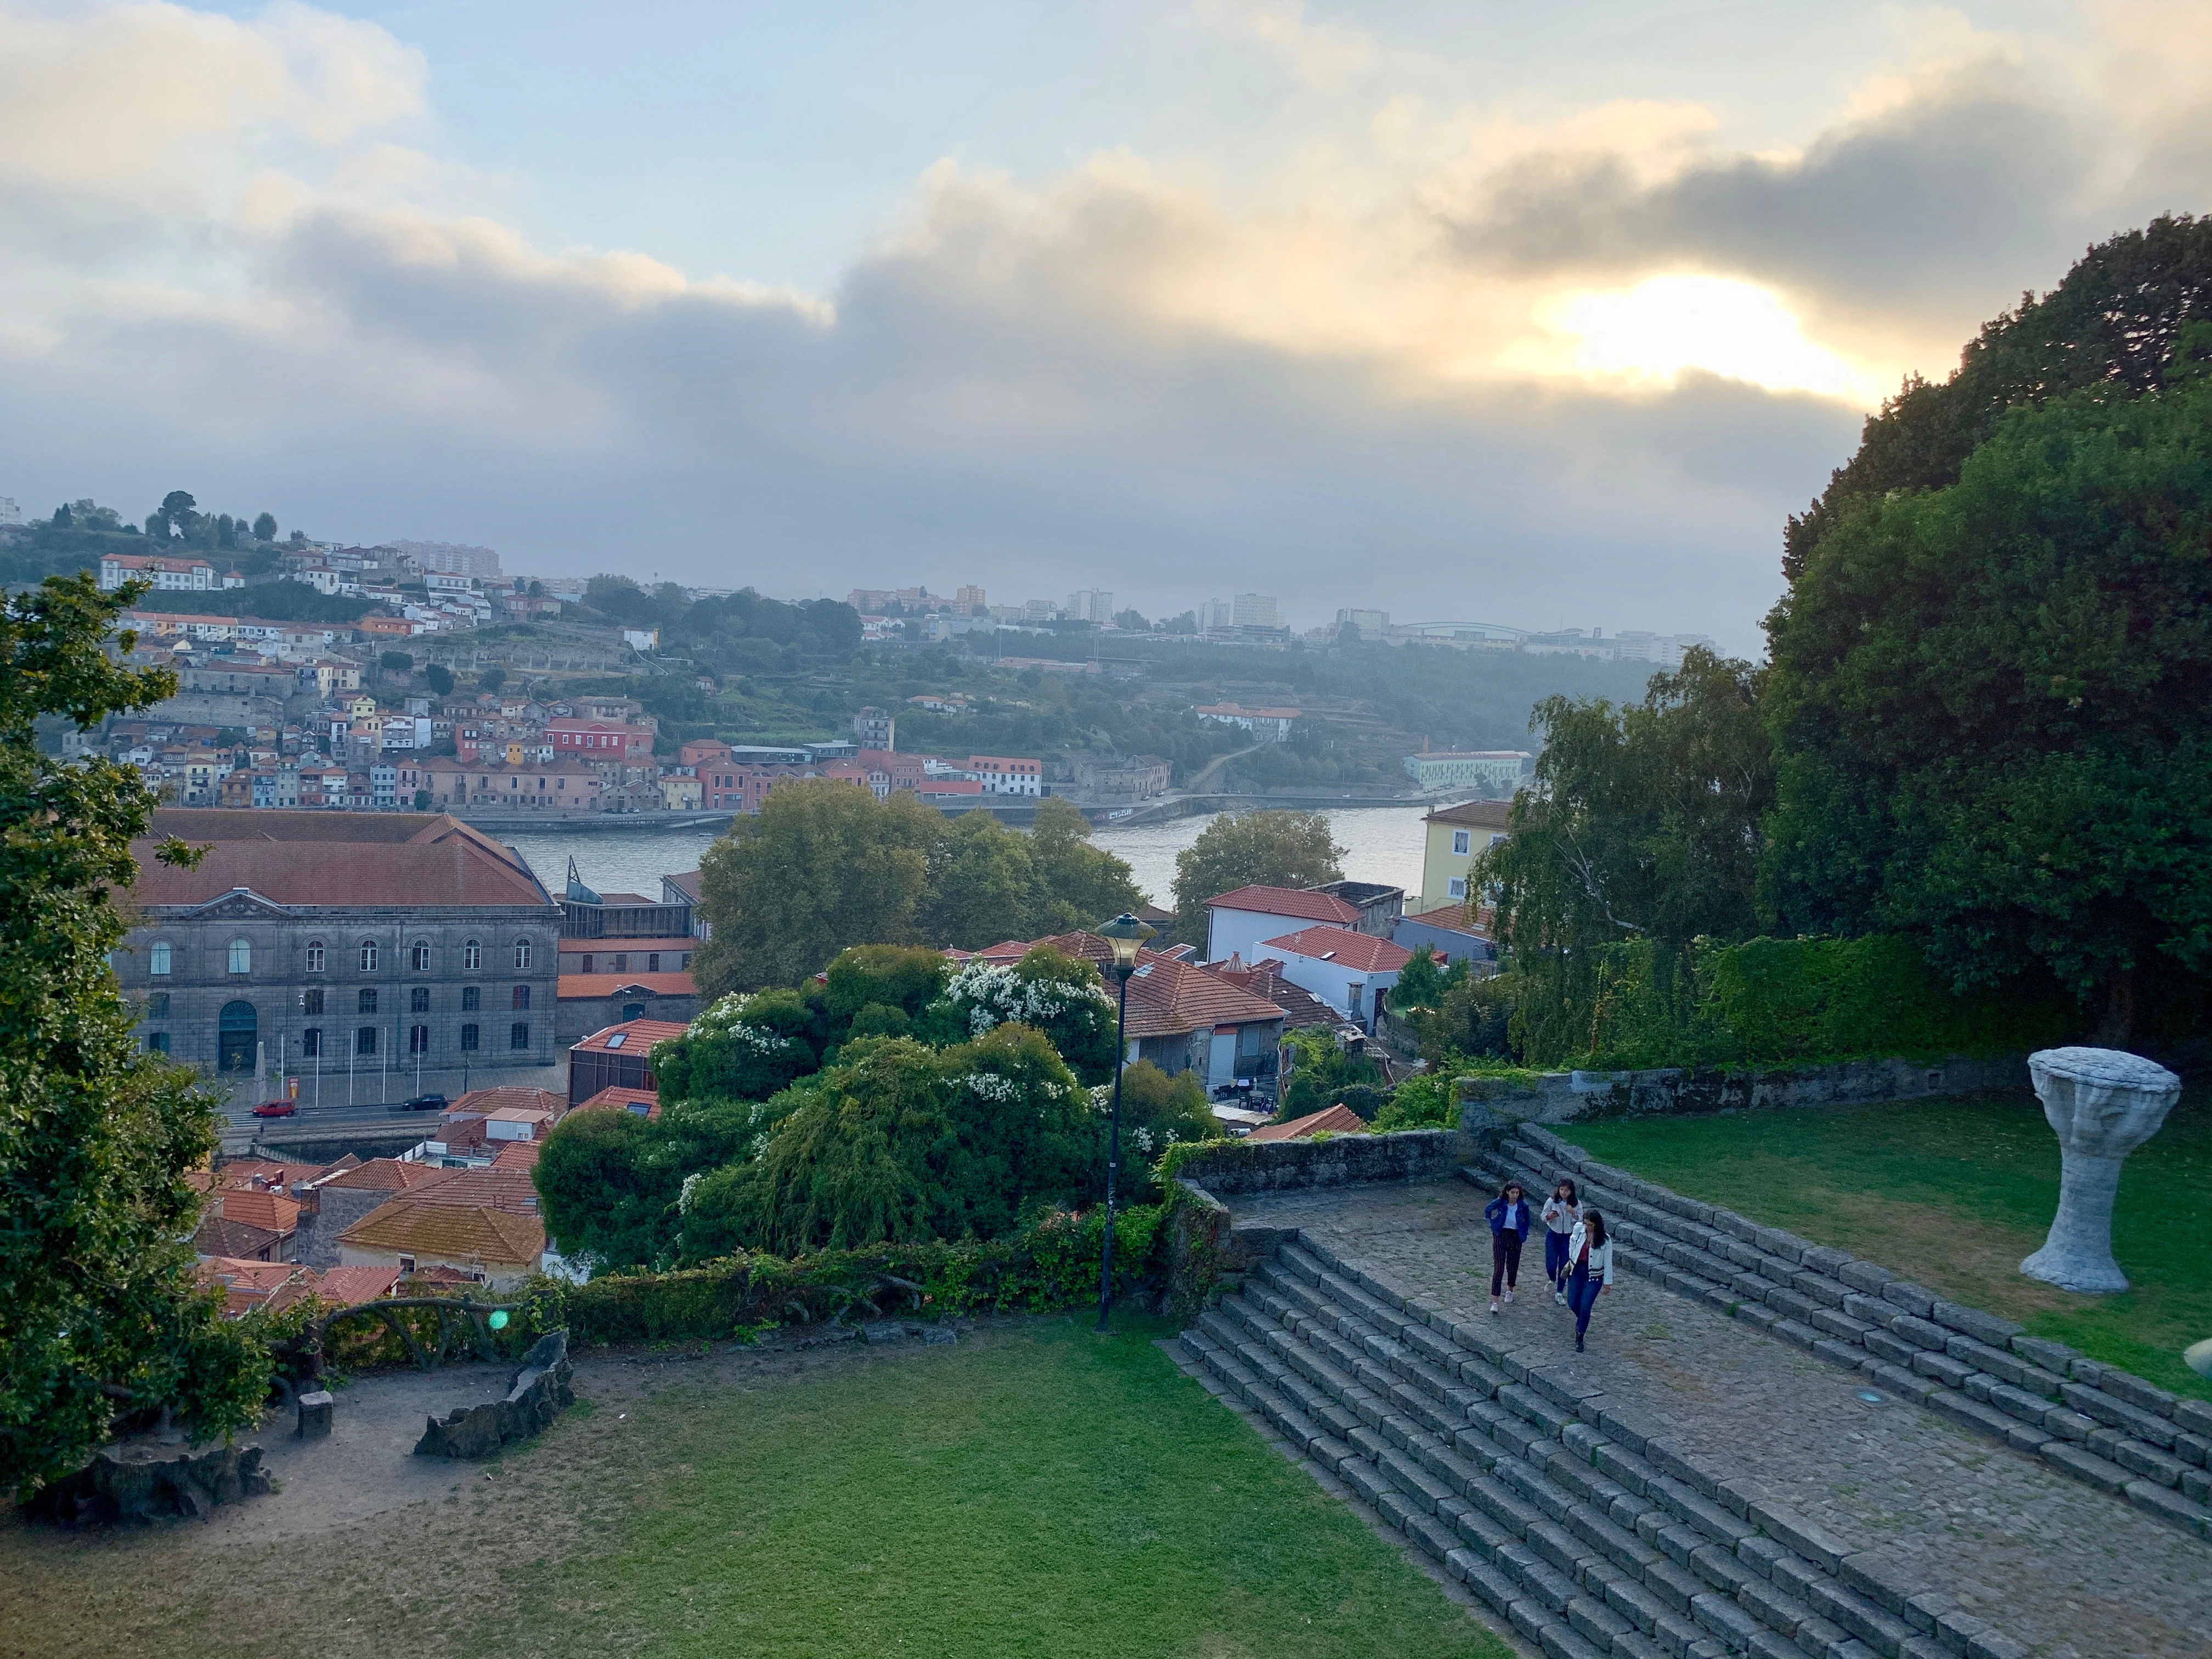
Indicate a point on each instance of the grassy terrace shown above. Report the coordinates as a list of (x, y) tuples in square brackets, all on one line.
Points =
[(1953, 1194), (1032, 1491)]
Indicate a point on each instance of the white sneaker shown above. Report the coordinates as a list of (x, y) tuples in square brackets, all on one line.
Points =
[(1509, 1293), (1494, 1304), (1559, 1297)]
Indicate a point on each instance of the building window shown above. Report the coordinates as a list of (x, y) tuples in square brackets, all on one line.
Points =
[(364, 1040), (311, 1043), (1462, 840), (311, 1002), (1455, 888), (521, 955), (653, 962), (314, 956), (406, 1264), (241, 955), (237, 1037), (518, 1034), (157, 1005), (521, 996), (633, 1011), (588, 964), (418, 956), (157, 959), (157, 1042), (368, 956), (366, 1002), (1495, 840), (621, 965), (471, 997), (472, 956), (418, 1039), (418, 999), (469, 1038)]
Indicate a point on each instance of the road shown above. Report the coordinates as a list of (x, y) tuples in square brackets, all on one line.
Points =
[(364, 1115)]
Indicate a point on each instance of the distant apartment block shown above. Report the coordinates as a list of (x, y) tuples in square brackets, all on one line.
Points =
[(1495, 772), (1371, 625), (1256, 610), (175, 572), (1090, 604), (454, 558), (1007, 774), (972, 597), (875, 728)]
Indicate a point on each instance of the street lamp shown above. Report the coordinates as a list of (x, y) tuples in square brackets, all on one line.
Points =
[(1124, 935)]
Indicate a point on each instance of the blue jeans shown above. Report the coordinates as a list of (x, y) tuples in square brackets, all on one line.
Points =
[(1581, 1297), (1555, 1254)]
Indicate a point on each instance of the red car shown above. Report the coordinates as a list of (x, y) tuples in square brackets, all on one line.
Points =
[(277, 1109)]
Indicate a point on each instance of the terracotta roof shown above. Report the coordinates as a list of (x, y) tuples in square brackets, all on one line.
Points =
[(1168, 998), (1264, 978), (219, 1237), (388, 1174), (638, 1037), (271, 1211), (517, 1154), (1488, 814), (1362, 952), (687, 884), (622, 1100), (322, 858), (413, 1226), (493, 1100), (510, 1189), (1452, 915), (1287, 902), (1338, 1120), (578, 986), (248, 1171), (348, 1285)]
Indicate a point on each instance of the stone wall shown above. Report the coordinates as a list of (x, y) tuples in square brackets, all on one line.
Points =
[(1570, 1097), (1245, 1166)]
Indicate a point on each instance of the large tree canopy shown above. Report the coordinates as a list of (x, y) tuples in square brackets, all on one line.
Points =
[(1994, 702), (98, 1308), (1243, 849)]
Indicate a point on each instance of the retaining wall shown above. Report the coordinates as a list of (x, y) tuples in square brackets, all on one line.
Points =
[(1269, 1166), (1570, 1097)]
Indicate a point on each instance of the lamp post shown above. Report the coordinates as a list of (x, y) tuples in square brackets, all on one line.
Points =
[(1123, 935)]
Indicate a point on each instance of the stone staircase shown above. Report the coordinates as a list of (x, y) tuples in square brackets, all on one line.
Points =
[(1577, 1523), (2096, 1422)]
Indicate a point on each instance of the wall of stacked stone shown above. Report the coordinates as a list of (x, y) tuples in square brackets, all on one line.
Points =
[(2096, 1422), (1570, 1097), (1270, 1166)]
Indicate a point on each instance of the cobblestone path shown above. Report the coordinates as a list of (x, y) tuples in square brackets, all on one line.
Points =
[(2072, 1572)]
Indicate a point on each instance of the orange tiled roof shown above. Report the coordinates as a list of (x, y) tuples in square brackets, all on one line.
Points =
[(1338, 1120), (1362, 952), (639, 1036), (1264, 978), (607, 985), (622, 1100), (1168, 998), (517, 1154), (491, 1100), (510, 1189), (1288, 901), (347, 1286), (316, 858), (389, 1175), (272, 1211), (412, 1226)]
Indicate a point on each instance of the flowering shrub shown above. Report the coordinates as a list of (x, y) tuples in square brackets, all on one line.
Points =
[(1056, 994)]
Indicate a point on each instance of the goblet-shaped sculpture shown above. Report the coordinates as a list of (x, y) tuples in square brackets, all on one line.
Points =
[(2102, 1104)]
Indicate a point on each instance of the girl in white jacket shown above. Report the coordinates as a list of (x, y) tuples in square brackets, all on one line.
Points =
[(1589, 1269)]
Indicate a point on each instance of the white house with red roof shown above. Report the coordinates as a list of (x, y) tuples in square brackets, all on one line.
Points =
[(1238, 923), (1347, 971)]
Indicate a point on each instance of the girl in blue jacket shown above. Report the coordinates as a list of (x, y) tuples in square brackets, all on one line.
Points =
[(1508, 1216)]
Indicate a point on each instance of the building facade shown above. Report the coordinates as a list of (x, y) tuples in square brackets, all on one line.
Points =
[(1495, 772), (1456, 836), (358, 954)]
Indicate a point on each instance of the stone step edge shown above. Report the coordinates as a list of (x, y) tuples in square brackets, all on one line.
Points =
[(1730, 1608), (2162, 1467), (1792, 1534)]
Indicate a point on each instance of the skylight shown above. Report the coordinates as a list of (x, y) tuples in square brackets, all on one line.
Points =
[(617, 1039)]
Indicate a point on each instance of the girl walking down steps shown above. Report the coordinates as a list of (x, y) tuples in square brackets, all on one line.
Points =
[(1589, 1269), (1508, 1216)]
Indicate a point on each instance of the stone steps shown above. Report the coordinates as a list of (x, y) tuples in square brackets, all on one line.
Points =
[(1587, 1532), (2100, 1425)]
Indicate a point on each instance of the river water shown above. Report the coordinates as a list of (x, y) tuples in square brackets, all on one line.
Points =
[(1381, 844)]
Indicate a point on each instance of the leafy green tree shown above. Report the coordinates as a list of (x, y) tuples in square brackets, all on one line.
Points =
[(1060, 995), (96, 1294), (981, 881), (1077, 884), (492, 678), (1994, 703), (396, 662), (62, 518), (903, 978), (1322, 1074), (1244, 849), (264, 527), (1158, 1111), (440, 678), (822, 865)]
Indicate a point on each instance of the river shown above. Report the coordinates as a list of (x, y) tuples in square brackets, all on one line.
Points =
[(1381, 844)]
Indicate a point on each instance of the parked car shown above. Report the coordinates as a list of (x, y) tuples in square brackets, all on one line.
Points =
[(425, 1103), (277, 1109)]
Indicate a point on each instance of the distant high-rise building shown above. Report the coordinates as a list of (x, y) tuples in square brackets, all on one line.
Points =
[(9, 513), (1039, 610), (1256, 610), (874, 728), (455, 558), (971, 596), (1090, 604), (1371, 623)]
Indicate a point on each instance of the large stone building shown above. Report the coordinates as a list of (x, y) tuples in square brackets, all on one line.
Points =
[(362, 953)]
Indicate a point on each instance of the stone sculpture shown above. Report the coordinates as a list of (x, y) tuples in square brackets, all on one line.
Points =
[(2102, 1104), (536, 1393), (139, 1481)]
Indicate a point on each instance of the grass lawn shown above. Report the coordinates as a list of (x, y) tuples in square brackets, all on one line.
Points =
[(1033, 1490), (1953, 1194)]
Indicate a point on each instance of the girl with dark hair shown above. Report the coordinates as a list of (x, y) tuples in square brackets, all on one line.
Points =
[(1561, 1210), (1590, 1269), (1508, 1216)]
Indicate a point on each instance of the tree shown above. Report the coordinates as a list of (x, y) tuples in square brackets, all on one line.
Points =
[(982, 885), (492, 678), (822, 865), (1994, 702), (440, 678), (1244, 849), (1158, 1111), (1060, 995), (396, 662), (61, 520), (96, 1292), (264, 527), (1077, 884)]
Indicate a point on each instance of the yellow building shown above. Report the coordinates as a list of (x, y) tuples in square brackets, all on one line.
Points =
[(1456, 836), (680, 794)]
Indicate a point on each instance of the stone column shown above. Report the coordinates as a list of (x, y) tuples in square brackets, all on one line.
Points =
[(2102, 1104)]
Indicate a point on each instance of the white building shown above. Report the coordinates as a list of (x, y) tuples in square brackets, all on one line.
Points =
[(1007, 775), (9, 513), (1239, 923), (1090, 604), (1274, 725), (1348, 971), (175, 572), (1256, 610), (1371, 625)]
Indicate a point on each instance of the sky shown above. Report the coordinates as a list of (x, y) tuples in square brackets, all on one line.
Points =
[(1543, 315)]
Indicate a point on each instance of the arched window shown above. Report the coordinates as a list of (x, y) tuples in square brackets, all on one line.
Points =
[(157, 959), (472, 956), (368, 956), (314, 956), (521, 996), (521, 955), (241, 955), (418, 956), (237, 1031)]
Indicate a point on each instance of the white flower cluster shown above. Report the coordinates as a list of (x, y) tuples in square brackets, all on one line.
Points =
[(993, 1086), (724, 1019), (684, 1198), (996, 995)]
